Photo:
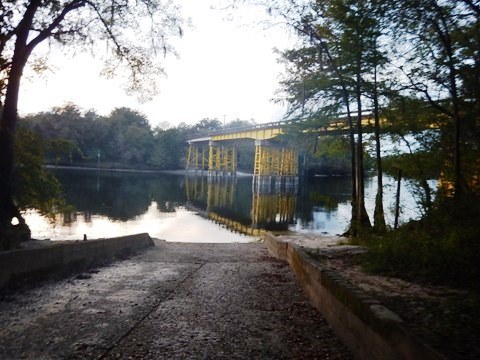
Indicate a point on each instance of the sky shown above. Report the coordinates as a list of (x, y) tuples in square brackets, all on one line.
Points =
[(227, 69)]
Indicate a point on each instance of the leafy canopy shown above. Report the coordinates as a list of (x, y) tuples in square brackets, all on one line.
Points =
[(128, 35)]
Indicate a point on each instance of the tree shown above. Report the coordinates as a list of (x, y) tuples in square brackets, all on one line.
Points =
[(206, 126), (326, 85), (33, 186), (168, 148), (130, 137), (135, 32), (237, 124), (438, 48), (333, 69), (74, 135)]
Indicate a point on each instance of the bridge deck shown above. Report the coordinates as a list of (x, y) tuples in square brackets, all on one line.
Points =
[(270, 130)]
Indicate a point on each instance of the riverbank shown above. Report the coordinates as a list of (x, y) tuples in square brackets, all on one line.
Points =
[(140, 171), (441, 318), (119, 170), (438, 318)]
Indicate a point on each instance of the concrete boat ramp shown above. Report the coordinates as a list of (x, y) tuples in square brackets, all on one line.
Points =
[(172, 301)]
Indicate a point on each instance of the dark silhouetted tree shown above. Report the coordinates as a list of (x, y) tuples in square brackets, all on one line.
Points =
[(136, 32)]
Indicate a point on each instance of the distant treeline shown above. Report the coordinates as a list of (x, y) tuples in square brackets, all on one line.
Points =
[(124, 138)]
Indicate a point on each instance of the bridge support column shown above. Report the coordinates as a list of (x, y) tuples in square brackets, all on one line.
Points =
[(273, 164), (222, 160), (197, 158)]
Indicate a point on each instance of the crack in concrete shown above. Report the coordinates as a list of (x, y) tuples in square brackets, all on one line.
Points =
[(154, 307)]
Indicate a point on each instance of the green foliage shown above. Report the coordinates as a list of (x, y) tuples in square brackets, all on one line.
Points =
[(62, 151), (332, 156), (333, 146), (419, 165), (207, 125), (123, 139), (245, 157), (443, 247), (92, 25), (130, 138), (238, 123), (168, 149), (34, 186)]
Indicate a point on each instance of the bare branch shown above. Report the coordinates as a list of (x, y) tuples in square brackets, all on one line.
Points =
[(47, 32)]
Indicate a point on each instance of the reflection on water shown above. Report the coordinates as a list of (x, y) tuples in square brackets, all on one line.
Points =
[(241, 206), (175, 207)]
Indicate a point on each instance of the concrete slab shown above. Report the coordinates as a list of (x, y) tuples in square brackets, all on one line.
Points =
[(41, 262), (214, 301)]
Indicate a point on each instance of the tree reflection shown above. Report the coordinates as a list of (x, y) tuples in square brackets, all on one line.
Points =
[(118, 196), (324, 193), (122, 196)]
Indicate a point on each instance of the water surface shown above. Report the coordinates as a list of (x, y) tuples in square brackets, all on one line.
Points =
[(194, 209)]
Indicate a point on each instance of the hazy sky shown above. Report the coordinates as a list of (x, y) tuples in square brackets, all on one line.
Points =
[(226, 70)]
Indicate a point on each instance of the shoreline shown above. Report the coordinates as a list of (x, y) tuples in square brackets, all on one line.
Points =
[(170, 172)]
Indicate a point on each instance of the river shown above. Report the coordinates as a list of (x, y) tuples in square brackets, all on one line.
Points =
[(192, 209)]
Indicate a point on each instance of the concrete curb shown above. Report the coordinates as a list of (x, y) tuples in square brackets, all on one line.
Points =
[(28, 264), (368, 328)]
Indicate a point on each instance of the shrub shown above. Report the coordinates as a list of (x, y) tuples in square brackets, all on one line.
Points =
[(443, 247)]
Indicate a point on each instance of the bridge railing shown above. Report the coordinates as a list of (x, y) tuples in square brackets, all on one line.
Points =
[(269, 125), (339, 119)]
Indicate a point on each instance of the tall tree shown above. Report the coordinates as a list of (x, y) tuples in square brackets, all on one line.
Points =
[(134, 31), (372, 23), (344, 33), (168, 148), (438, 43), (317, 83)]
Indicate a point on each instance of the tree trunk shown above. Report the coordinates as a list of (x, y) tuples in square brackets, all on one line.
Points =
[(363, 220), (379, 214), (8, 122), (442, 28), (352, 230)]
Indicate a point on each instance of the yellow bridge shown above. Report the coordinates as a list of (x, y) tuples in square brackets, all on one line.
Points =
[(216, 153), (274, 181)]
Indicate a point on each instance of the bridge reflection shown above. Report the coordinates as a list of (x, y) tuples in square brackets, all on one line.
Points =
[(265, 206)]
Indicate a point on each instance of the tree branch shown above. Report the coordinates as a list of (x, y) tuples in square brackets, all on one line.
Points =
[(424, 91), (120, 49), (471, 4), (44, 34)]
